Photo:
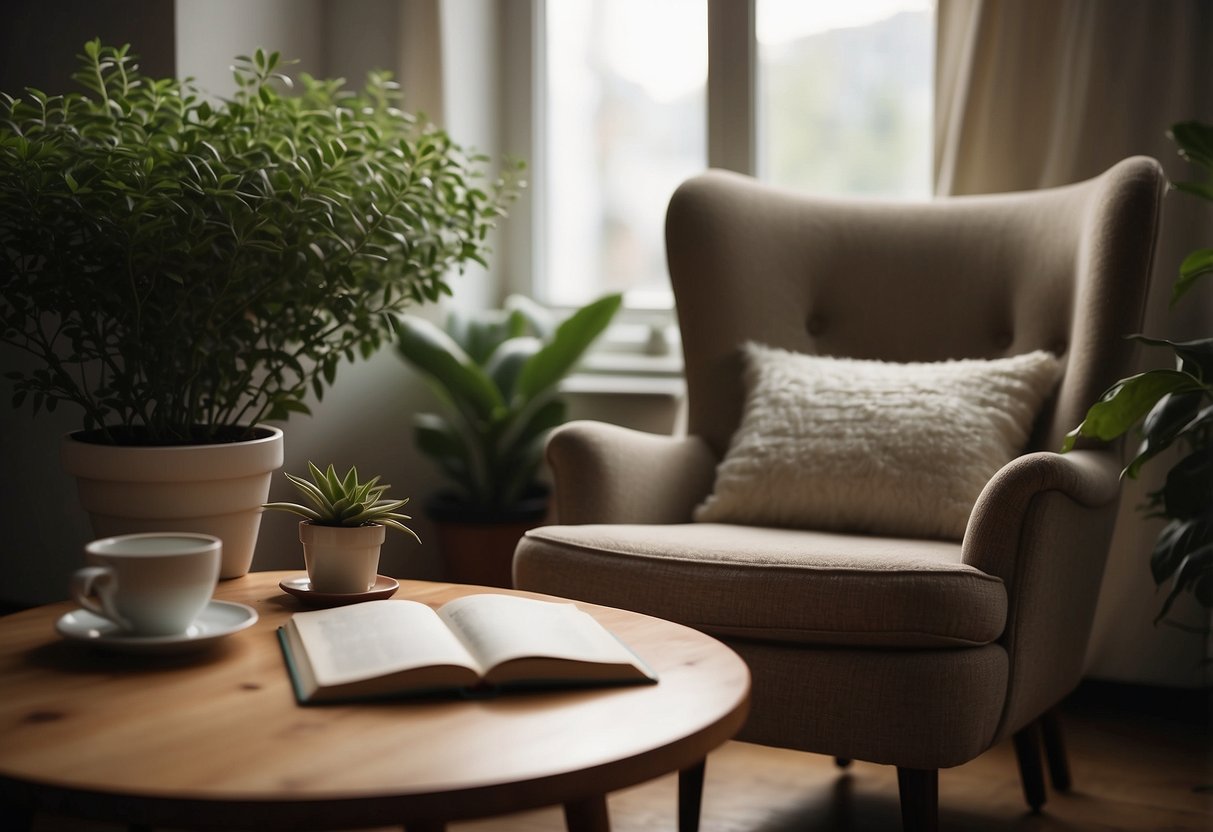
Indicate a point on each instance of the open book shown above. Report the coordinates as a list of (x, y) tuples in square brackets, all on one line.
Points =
[(474, 643)]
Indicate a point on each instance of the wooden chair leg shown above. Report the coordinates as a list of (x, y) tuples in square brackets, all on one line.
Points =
[(690, 796), (919, 791), (842, 762), (1027, 752), (1055, 751)]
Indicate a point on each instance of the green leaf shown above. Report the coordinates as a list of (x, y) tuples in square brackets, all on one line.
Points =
[(350, 482), (295, 508), (436, 354), (1196, 357), (506, 363), (1127, 402), (1196, 265), (541, 320), (1199, 189), (1170, 548), (1195, 567), (525, 441), (571, 339), (1166, 422), (445, 446), (1195, 140), (310, 490), (1188, 491)]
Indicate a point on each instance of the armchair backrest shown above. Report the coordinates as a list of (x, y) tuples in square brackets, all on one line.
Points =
[(1063, 269)]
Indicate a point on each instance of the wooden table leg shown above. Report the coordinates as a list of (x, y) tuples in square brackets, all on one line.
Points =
[(690, 796), (588, 815)]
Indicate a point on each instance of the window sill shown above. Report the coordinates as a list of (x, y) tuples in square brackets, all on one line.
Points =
[(615, 384)]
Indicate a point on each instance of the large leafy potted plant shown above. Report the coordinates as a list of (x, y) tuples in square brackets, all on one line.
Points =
[(1174, 409), (498, 374), (183, 270)]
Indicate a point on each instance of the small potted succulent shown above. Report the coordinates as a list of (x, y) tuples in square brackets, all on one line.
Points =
[(343, 528), (498, 373)]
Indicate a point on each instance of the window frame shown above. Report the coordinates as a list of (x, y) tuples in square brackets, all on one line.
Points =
[(732, 144), (731, 129)]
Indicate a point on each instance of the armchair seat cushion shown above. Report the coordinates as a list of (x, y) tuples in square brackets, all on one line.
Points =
[(773, 584)]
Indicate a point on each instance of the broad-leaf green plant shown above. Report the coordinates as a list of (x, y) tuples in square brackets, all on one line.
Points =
[(182, 269), (1173, 409), (345, 501), (498, 374)]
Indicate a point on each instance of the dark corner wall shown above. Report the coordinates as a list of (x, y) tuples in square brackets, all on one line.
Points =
[(39, 39)]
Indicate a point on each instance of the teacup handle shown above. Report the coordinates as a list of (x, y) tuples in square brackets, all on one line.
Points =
[(93, 588)]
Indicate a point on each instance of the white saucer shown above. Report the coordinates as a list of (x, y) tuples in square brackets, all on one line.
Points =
[(217, 620)]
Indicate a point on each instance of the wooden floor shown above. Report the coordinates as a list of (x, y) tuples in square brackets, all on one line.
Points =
[(1141, 759)]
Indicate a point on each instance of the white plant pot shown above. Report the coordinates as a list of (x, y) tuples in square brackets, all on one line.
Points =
[(341, 560), (213, 489)]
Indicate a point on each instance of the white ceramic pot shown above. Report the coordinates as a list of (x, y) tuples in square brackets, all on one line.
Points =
[(341, 560), (213, 489)]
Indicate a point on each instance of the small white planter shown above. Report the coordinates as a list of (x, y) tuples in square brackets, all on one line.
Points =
[(341, 560), (210, 489)]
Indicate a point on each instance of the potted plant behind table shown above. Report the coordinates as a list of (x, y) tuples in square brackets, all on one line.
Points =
[(183, 271), (498, 374), (1175, 410), (343, 528)]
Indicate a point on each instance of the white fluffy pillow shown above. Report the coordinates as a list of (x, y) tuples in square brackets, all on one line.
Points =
[(870, 446)]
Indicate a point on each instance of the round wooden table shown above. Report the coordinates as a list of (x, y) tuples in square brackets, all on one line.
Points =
[(216, 740)]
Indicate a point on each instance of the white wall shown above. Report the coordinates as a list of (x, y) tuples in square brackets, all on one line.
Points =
[(210, 33)]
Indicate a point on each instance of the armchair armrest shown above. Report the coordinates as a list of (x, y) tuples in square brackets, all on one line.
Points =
[(609, 474), (1089, 478), (1043, 524)]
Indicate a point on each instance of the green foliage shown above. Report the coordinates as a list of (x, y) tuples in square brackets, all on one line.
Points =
[(344, 501), (1175, 410), (184, 267), (498, 373)]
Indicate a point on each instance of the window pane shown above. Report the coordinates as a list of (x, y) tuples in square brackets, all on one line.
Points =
[(845, 95), (625, 123)]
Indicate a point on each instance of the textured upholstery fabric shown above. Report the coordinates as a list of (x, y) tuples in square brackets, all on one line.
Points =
[(778, 584), (839, 665), (965, 277), (872, 446), (911, 708), (626, 474)]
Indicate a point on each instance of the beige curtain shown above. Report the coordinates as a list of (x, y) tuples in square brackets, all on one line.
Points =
[(1035, 93), (421, 74)]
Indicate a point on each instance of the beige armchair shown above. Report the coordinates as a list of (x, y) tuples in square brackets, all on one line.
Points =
[(915, 652)]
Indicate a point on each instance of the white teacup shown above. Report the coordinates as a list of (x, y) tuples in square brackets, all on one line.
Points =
[(151, 584)]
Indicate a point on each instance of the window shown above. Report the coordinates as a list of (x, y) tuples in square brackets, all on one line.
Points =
[(844, 95), (625, 123), (832, 98)]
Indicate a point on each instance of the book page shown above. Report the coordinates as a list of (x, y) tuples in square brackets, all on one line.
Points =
[(503, 628), (360, 641)]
